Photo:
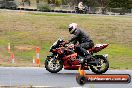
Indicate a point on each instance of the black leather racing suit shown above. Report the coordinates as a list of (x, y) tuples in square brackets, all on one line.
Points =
[(85, 42)]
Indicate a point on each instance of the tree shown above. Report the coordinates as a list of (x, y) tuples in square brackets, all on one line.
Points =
[(118, 3), (129, 4), (56, 2), (123, 4), (104, 4), (98, 3), (91, 3)]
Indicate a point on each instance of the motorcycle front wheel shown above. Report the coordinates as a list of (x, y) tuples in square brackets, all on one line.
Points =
[(102, 67), (53, 65)]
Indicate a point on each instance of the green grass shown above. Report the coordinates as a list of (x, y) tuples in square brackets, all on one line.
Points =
[(119, 56), (43, 29), (118, 50)]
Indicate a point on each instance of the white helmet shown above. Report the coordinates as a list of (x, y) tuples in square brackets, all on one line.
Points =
[(72, 28)]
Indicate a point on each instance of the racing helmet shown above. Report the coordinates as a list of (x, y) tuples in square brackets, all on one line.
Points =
[(72, 28)]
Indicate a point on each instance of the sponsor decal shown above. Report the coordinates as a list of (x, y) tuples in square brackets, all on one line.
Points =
[(104, 78), (109, 78)]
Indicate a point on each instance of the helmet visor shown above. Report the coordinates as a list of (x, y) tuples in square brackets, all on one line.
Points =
[(71, 30)]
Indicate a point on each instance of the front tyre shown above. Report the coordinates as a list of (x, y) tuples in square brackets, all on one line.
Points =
[(53, 65), (102, 66)]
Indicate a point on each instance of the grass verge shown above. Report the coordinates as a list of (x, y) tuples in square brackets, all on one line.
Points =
[(42, 29)]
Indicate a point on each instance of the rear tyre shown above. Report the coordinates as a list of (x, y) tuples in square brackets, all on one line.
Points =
[(53, 65), (102, 67)]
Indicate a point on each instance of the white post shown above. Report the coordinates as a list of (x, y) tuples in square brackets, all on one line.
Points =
[(9, 48)]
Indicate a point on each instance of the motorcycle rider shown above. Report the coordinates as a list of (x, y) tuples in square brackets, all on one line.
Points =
[(80, 6), (84, 41)]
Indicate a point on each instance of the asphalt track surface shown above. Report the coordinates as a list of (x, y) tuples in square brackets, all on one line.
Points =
[(39, 77)]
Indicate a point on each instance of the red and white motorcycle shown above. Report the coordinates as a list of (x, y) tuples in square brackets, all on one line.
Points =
[(63, 56)]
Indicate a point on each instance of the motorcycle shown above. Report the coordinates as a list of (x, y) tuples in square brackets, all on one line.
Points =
[(64, 56), (83, 11)]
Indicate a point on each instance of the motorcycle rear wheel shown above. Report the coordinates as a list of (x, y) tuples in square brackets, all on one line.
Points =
[(53, 65), (99, 68)]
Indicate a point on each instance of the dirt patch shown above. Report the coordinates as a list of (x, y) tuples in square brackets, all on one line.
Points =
[(25, 47)]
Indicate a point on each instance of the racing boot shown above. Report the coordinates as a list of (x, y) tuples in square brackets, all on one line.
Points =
[(85, 59)]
